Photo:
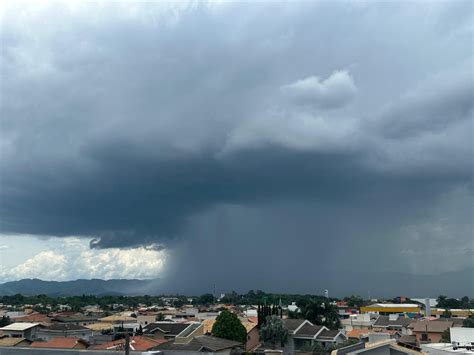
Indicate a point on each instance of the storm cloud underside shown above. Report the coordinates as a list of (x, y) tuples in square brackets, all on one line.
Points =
[(322, 137)]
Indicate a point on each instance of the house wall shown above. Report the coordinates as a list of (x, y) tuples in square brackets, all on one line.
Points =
[(48, 335), (289, 347), (432, 337), (29, 334), (144, 320), (253, 339)]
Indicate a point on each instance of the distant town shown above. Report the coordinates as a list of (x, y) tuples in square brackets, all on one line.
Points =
[(252, 323)]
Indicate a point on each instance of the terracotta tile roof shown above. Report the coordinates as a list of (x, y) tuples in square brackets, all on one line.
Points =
[(138, 343), (357, 333), (99, 326), (34, 318), (208, 324), (62, 343), (433, 326), (253, 319)]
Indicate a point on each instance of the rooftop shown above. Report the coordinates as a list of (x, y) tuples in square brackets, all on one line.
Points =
[(168, 328), (137, 343), (19, 326), (308, 330), (64, 343), (201, 343)]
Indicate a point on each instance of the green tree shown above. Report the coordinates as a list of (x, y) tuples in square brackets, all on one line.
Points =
[(207, 299), (4, 321), (228, 326), (446, 314), (274, 332), (160, 317), (446, 336), (468, 322), (354, 301), (322, 313), (314, 312)]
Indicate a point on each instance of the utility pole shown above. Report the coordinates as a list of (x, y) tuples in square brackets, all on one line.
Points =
[(127, 344)]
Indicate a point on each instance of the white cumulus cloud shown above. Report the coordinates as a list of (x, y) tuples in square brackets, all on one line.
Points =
[(72, 259)]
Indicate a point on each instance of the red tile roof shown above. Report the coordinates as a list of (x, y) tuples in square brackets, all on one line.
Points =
[(138, 342), (63, 343), (34, 318)]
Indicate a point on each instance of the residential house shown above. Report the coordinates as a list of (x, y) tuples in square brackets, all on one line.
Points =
[(166, 330), (77, 319), (145, 319), (201, 343), (373, 335), (309, 335), (387, 347), (137, 343), (118, 319), (62, 343), (303, 334), (393, 322), (250, 324), (60, 330), (21, 330), (121, 323), (358, 321), (34, 318), (430, 331)]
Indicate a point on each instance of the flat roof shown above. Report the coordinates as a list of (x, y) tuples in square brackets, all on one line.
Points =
[(20, 326), (393, 305)]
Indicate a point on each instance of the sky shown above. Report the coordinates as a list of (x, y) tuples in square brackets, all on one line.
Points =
[(277, 145)]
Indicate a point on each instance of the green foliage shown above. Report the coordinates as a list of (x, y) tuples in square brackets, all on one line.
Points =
[(452, 303), (228, 326), (468, 322), (446, 336), (446, 314), (322, 313), (354, 301), (205, 299), (273, 331), (4, 321), (160, 317), (294, 315)]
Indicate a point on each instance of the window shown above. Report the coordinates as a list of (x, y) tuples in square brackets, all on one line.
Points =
[(424, 337)]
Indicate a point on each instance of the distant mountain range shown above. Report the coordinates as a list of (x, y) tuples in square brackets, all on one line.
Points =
[(339, 283), (78, 287)]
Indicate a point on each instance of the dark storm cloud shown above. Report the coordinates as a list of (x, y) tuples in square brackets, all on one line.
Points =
[(216, 129)]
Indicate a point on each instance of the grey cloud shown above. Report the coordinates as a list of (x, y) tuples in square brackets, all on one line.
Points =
[(332, 92), (140, 127), (434, 106)]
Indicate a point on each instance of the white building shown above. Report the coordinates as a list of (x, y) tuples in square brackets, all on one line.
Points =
[(21, 330)]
